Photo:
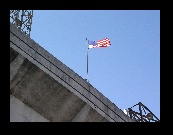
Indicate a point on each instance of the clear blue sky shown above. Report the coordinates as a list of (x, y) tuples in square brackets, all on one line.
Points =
[(128, 71)]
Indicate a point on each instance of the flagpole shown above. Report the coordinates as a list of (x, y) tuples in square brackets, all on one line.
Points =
[(87, 58)]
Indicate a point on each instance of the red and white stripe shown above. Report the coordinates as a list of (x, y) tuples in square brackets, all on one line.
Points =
[(104, 43)]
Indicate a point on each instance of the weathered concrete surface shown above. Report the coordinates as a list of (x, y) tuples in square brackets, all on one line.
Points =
[(51, 89), (22, 113)]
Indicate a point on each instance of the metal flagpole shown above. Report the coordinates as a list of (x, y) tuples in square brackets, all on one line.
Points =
[(87, 58)]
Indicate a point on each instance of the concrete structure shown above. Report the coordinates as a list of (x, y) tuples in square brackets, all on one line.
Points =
[(43, 89)]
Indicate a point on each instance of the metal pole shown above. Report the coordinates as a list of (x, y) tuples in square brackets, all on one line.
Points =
[(140, 111), (87, 58)]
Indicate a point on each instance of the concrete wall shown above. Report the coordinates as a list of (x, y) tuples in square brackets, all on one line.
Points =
[(29, 62), (20, 112)]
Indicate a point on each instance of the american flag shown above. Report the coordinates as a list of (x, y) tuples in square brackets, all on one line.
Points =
[(100, 43)]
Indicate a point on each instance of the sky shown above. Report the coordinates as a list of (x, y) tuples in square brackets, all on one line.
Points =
[(127, 72)]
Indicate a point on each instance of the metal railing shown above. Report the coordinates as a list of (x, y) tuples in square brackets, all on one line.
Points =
[(142, 115)]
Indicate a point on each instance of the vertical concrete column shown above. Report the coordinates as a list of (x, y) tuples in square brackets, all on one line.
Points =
[(81, 116), (15, 65)]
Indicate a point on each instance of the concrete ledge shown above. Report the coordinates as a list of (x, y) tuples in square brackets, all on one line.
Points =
[(64, 75)]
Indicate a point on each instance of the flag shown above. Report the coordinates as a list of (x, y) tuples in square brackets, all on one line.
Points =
[(100, 43)]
